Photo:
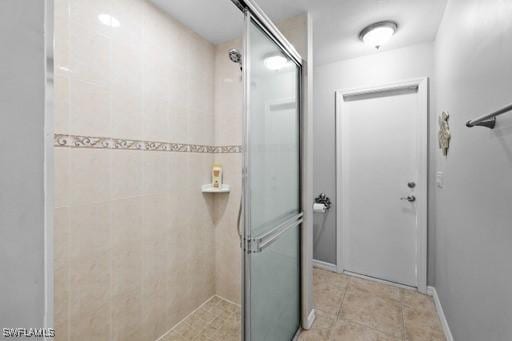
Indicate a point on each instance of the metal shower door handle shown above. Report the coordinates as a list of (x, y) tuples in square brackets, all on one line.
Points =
[(239, 220)]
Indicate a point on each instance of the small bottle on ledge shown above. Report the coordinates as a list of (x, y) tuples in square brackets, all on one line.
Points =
[(217, 175)]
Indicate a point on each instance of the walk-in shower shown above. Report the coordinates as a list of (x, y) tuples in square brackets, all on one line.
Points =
[(147, 112)]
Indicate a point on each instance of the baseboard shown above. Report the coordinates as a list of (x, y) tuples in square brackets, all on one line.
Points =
[(378, 280), (446, 328), (324, 265)]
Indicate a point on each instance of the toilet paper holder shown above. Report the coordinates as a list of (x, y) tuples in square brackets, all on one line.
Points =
[(322, 198)]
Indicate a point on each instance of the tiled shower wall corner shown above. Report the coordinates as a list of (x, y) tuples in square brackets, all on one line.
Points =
[(134, 236), (228, 101)]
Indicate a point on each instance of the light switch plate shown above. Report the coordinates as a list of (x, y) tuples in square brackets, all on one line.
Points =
[(440, 179)]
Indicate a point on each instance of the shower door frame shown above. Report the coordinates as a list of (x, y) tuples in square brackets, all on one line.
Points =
[(253, 14)]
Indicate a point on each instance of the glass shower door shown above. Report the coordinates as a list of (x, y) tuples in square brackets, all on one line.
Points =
[(272, 196)]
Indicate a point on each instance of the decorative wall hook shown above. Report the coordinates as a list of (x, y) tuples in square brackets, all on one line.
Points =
[(444, 133)]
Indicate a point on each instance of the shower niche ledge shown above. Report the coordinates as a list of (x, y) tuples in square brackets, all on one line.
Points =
[(208, 188)]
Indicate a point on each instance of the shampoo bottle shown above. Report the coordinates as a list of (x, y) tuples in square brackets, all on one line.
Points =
[(216, 175)]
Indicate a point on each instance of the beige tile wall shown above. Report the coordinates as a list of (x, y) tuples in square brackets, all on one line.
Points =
[(134, 236), (137, 246)]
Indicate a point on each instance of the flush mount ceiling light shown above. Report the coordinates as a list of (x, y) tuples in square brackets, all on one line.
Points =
[(378, 34), (276, 62), (107, 19)]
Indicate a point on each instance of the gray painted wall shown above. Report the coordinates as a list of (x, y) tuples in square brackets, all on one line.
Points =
[(473, 237), (380, 68), (22, 113)]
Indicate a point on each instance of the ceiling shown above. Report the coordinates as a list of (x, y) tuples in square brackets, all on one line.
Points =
[(215, 20), (336, 23)]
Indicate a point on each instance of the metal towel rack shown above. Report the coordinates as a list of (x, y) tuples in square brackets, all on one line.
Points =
[(489, 120)]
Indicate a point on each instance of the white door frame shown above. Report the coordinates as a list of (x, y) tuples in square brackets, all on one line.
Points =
[(421, 189)]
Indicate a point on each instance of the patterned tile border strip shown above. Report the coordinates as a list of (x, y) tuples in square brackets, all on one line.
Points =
[(94, 142)]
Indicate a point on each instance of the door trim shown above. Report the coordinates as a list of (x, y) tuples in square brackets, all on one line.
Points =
[(49, 168), (421, 190)]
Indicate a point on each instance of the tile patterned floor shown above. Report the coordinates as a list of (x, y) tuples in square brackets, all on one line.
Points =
[(347, 309), (354, 309), (215, 320)]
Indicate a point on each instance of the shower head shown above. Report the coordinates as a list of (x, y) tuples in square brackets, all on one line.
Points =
[(235, 56)]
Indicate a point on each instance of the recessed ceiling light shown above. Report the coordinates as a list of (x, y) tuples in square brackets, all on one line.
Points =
[(107, 19), (276, 62), (378, 34)]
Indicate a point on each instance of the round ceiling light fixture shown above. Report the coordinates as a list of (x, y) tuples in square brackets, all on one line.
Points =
[(379, 33)]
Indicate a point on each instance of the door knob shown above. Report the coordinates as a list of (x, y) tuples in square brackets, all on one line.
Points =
[(410, 198), (411, 184)]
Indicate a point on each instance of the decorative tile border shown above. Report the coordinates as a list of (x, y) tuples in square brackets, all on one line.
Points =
[(94, 142)]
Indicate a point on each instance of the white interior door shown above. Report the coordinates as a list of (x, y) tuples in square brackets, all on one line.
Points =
[(381, 154)]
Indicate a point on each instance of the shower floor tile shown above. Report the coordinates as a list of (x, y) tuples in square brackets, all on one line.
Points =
[(215, 320)]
